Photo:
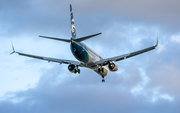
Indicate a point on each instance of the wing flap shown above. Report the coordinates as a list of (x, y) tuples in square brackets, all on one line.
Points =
[(52, 59)]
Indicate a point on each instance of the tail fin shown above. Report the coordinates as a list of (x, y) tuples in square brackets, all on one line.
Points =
[(73, 29)]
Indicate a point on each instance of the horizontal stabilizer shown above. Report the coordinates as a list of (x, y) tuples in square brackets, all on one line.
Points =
[(76, 40), (60, 39), (86, 37)]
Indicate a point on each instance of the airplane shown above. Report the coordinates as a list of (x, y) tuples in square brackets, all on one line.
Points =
[(86, 56)]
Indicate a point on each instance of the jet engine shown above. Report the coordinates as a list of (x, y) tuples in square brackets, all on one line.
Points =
[(73, 69), (112, 66)]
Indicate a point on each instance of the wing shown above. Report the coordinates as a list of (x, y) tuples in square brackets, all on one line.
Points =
[(122, 57), (52, 59), (49, 59)]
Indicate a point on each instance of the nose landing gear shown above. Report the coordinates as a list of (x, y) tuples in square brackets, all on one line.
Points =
[(103, 80)]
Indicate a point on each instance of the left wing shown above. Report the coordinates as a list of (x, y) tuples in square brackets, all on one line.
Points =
[(50, 59), (122, 57)]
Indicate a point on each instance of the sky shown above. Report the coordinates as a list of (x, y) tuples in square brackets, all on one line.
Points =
[(145, 83)]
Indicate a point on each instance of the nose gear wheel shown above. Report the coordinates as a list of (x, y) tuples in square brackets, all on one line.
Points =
[(103, 80)]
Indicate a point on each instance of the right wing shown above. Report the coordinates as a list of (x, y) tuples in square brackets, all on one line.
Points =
[(122, 57)]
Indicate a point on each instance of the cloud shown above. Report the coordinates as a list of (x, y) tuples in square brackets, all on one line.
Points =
[(78, 94), (50, 17), (145, 83), (154, 11), (176, 38)]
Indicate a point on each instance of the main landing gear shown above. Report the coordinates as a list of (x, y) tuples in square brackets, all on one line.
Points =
[(77, 71)]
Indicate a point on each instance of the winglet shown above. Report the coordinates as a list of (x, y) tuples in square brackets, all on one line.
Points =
[(157, 41), (12, 48)]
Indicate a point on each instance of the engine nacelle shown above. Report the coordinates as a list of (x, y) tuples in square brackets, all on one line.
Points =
[(71, 68), (112, 66)]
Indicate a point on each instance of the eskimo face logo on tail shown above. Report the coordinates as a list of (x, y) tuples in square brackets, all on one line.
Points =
[(73, 29)]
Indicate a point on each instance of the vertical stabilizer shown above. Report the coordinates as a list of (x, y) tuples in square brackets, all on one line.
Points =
[(73, 29)]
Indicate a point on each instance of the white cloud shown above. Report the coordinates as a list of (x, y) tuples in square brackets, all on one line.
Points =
[(160, 48), (152, 95), (12, 98), (157, 95), (58, 88), (176, 38), (139, 89), (167, 97), (20, 73)]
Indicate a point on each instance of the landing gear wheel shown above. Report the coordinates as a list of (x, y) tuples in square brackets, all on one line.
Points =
[(78, 71), (99, 70), (75, 71), (102, 70), (103, 80)]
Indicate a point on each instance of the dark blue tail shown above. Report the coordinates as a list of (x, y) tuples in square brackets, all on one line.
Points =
[(73, 29)]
